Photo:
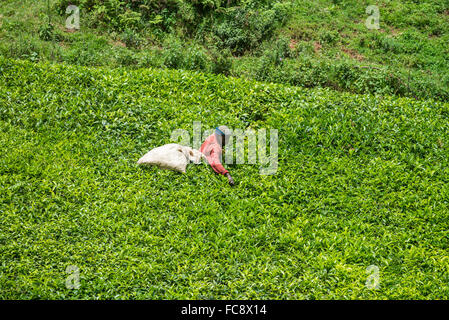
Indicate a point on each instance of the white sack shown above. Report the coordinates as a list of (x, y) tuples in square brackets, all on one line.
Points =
[(171, 156)]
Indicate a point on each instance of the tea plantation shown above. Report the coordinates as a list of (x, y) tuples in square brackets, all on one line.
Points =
[(362, 181)]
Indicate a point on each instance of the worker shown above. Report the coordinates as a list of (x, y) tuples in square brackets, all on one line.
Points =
[(212, 148)]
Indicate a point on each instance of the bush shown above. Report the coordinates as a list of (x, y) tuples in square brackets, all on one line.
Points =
[(131, 38), (221, 61), (195, 59), (242, 28), (272, 58), (126, 57), (303, 48), (46, 32), (329, 37), (174, 55), (90, 51)]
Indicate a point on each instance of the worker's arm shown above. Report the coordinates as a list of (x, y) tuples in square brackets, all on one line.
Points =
[(214, 161), (213, 158)]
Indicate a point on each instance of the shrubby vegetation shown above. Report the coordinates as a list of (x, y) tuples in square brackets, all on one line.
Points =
[(362, 181), (320, 44), (234, 24)]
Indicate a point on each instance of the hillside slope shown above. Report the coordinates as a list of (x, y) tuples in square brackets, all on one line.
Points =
[(319, 43)]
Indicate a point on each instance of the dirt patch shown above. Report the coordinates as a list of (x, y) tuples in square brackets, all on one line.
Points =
[(394, 31), (292, 44), (317, 47), (62, 44), (119, 43), (353, 54)]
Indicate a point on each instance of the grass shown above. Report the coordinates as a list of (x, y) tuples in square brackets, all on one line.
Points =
[(328, 45), (362, 181)]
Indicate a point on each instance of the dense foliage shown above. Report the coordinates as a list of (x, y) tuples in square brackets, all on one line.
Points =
[(362, 181), (234, 24), (320, 43)]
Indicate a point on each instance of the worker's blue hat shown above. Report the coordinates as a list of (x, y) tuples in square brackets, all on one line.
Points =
[(220, 132)]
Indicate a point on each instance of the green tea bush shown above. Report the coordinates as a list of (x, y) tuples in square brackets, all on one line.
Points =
[(345, 75), (361, 181), (126, 58), (191, 58), (91, 51), (195, 59), (174, 55)]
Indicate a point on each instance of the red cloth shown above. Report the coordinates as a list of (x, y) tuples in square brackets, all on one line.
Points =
[(212, 150)]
